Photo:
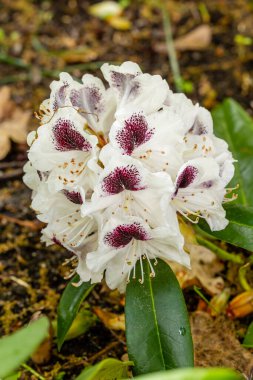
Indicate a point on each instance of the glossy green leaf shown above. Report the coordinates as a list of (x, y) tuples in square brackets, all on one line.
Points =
[(234, 125), (108, 369), (248, 340), (194, 374), (239, 232), (16, 348), (157, 326), (84, 320), (69, 305), (14, 376)]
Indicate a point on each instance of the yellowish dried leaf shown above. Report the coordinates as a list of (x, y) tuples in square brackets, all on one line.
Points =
[(119, 23), (241, 305), (105, 9), (111, 320), (203, 272)]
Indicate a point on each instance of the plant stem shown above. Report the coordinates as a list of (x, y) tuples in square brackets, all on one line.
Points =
[(219, 251), (242, 277), (31, 370), (172, 55)]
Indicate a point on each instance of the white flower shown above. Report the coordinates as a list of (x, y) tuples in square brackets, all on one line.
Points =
[(134, 89), (199, 192), (66, 151), (110, 168), (156, 140), (125, 241), (125, 187), (66, 227)]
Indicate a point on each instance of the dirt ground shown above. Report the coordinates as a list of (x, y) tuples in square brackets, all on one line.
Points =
[(39, 39)]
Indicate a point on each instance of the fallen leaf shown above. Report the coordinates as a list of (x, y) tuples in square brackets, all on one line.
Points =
[(111, 320), (197, 39), (13, 122), (241, 305), (204, 269), (119, 23), (105, 9)]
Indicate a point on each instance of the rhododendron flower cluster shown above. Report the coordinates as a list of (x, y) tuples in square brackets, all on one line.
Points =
[(112, 167)]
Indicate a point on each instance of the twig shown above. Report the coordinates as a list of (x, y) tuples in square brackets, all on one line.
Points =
[(219, 251), (35, 226), (12, 164), (31, 370), (102, 352), (172, 55), (13, 175), (87, 362)]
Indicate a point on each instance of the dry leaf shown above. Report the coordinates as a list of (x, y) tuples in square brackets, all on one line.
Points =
[(119, 23), (105, 9), (204, 268), (111, 320), (241, 305), (13, 122), (197, 39)]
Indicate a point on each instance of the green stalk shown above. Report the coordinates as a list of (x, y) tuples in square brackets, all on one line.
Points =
[(31, 370), (219, 251), (242, 277), (172, 55)]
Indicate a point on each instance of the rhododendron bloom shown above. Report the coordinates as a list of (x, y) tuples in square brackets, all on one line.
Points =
[(113, 165)]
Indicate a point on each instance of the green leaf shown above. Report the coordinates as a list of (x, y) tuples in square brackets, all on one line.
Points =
[(157, 326), (234, 125), (69, 305), (194, 374), (248, 340), (108, 369), (84, 320), (239, 232), (16, 348)]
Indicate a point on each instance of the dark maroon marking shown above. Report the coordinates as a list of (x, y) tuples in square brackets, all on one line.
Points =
[(60, 96), (40, 174), (74, 196), (89, 99), (186, 177), (56, 241), (123, 234), (207, 184), (198, 128), (134, 133), (67, 138), (126, 177), (43, 176)]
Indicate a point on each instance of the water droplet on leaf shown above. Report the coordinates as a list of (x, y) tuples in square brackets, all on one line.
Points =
[(182, 331)]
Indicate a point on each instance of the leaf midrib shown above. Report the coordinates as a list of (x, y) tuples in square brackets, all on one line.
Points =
[(155, 317)]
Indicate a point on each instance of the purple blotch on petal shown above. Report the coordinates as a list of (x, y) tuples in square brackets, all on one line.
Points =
[(88, 99), (123, 234), (67, 138), (134, 133), (126, 177), (186, 177), (73, 196), (198, 128), (60, 96)]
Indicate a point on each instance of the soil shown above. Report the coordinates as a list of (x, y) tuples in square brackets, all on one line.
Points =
[(39, 39)]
